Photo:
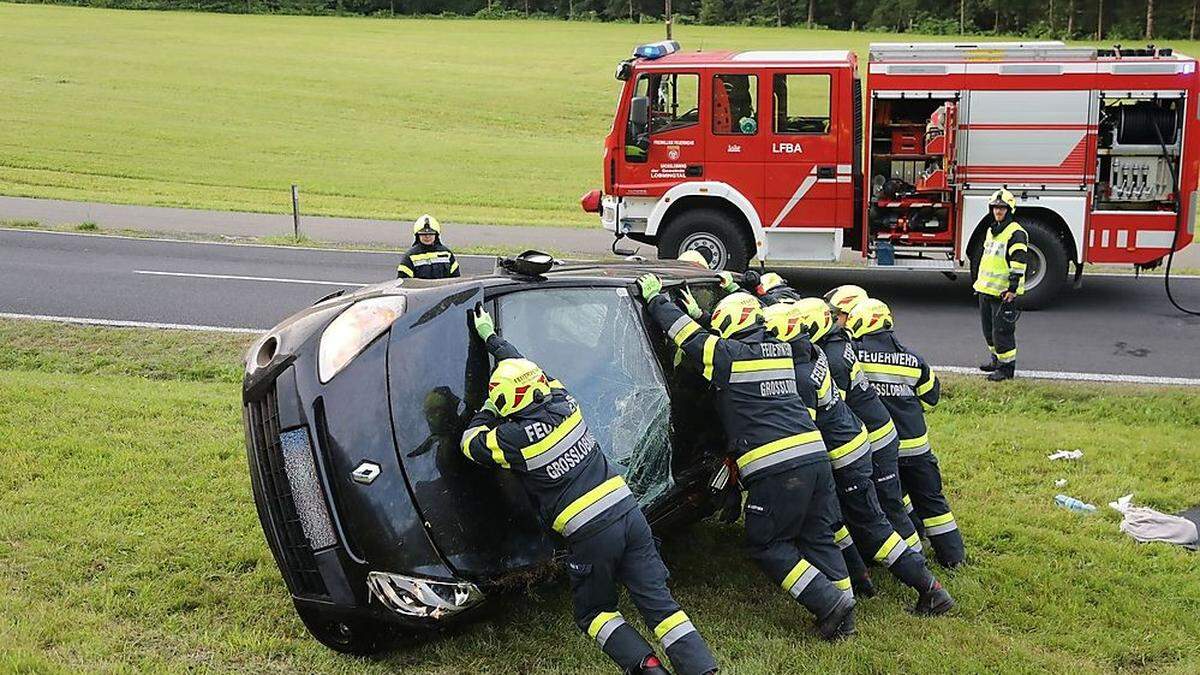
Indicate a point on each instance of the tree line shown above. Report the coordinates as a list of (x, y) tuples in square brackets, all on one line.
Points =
[(1081, 19)]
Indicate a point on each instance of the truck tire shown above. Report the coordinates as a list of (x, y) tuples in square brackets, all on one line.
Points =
[(713, 233), (1047, 264)]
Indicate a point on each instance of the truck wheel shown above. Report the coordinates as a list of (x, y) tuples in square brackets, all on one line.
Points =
[(711, 232), (349, 636), (1046, 265)]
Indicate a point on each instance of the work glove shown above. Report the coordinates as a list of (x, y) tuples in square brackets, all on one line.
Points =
[(727, 283), (490, 407), (690, 305), (485, 327), (649, 286)]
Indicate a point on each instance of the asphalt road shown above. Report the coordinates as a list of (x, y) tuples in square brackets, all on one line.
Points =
[(1110, 325)]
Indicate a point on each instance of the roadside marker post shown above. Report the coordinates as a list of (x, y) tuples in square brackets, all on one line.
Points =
[(296, 212)]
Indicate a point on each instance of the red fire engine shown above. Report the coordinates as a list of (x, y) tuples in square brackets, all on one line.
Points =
[(766, 154)]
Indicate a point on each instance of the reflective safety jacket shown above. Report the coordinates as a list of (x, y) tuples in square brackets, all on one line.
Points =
[(1002, 267), (845, 435), (852, 384), (548, 445), (768, 427), (427, 262), (905, 383)]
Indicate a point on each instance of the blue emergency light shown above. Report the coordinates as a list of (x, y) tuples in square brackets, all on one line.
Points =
[(656, 50)]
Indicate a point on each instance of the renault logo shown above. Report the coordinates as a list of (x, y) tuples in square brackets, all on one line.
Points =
[(366, 473)]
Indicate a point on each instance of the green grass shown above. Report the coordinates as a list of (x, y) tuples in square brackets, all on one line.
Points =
[(476, 121), (129, 541)]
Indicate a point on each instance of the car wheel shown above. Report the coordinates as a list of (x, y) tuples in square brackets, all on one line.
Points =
[(349, 636), (1046, 265), (714, 234)]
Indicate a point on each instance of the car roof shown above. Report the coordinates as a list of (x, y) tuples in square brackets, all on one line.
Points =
[(605, 272)]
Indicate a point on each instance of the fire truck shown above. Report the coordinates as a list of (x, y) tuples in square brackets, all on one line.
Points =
[(786, 156)]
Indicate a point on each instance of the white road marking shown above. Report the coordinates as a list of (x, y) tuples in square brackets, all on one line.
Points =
[(966, 272), (239, 277), (119, 323), (1082, 377)]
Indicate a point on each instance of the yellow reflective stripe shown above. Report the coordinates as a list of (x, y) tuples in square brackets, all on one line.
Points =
[(686, 332), (946, 517), (850, 445), (430, 256), (564, 428), (909, 443), (823, 390), (710, 353), (841, 534), (555, 384), (668, 623), (755, 365), (842, 584), (812, 412), (404, 269), (886, 550), (454, 266), (923, 389), (598, 622), (797, 571), (1019, 246), (590, 497), (902, 371), (913, 539), (882, 431), (470, 436), (776, 446), (1005, 357), (493, 443), (855, 370)]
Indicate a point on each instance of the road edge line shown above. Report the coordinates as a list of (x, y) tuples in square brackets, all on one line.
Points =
[(1083, 377), (121, 323)]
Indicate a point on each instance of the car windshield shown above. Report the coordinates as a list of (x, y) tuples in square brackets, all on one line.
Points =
[(593, 341)]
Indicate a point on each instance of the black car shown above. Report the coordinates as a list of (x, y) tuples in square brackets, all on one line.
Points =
[(354, 409)]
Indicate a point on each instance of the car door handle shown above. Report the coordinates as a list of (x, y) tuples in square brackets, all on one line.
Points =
[(693, 170), (824, 172)]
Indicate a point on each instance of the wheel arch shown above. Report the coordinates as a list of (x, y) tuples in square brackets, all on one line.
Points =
[(709, 195), (1046, 216)]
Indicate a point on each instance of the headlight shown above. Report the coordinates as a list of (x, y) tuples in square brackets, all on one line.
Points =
[(353, 330)]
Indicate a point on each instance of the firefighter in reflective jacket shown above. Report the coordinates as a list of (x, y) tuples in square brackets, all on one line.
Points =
[(850, 454), (905, 383), (534, 427), (1000, 282), (864, 401), (427, 258), (791, 505)]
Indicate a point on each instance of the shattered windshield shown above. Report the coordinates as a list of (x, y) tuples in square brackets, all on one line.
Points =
[(592, 340)]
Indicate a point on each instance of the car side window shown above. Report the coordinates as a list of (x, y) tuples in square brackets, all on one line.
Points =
[(593, 341), (735, 104)]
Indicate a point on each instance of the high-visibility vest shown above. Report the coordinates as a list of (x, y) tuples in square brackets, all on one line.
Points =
[(993, 265)]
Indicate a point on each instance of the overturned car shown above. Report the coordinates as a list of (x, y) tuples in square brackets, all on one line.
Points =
[(354, 409)]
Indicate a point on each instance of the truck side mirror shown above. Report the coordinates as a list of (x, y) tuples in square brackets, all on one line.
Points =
[(639, 111)]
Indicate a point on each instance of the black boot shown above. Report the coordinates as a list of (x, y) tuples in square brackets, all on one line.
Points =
[(829, 626), (863, 587), (847, 628), (649, 666), (1005, 371), (990, 366), (934, 601)]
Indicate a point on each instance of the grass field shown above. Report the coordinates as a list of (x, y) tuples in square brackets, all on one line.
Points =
[(477, 121), (128, 538)]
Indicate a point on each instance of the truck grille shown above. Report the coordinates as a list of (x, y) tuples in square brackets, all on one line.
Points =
[(262, 430)]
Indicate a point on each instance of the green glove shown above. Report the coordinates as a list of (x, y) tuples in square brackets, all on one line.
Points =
[(689, 304), (484, 326), (649, 286), (727, 283), (490, 407)]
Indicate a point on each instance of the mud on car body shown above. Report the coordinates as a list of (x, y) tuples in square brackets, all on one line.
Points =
[(354, 409)]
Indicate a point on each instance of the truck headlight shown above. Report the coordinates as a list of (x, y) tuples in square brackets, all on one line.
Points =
[(353, 330)]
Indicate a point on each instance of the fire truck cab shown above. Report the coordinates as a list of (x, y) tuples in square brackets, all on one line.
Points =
[(776, 155)]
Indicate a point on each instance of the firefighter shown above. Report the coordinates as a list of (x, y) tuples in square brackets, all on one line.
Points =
[(850, 454), (864, 402), (428, 257), (774, 444), (905, 383), (531, 425), (1000, 282)]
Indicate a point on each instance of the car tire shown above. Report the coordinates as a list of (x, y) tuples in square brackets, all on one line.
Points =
[(1047, 264), (718, 236), (358, 637)]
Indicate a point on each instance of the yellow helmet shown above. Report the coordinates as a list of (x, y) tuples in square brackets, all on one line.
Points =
[(816, 318), (770, 280), (695, 257), (845, 297), (427, 224), (736, 312), (784, 319), (1004, 198), (869, 316), (515, 384)]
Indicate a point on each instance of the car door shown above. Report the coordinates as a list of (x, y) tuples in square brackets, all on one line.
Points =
[(801, 180), (673, 150)]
